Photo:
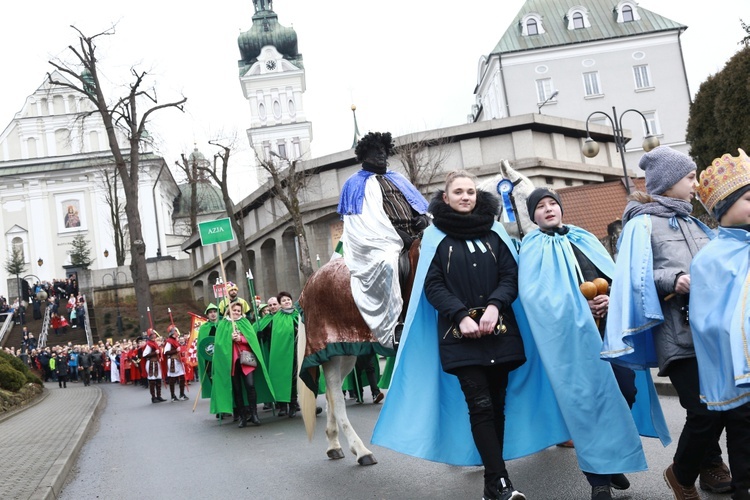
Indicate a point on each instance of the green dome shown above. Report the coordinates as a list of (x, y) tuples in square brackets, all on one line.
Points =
[(196, 156), (210, 200), (266, 30)]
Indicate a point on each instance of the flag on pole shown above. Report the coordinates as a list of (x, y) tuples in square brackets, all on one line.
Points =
[(195, 323)]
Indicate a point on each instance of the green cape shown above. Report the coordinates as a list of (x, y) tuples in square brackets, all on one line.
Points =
[(205, 378), (280, 352), (221, 392)]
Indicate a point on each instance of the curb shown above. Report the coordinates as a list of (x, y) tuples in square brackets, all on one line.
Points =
[(50, 486)]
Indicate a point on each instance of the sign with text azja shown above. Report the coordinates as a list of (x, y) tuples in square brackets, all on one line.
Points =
[(215, 231)]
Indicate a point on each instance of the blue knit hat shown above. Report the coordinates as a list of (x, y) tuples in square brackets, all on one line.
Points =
[(664, 168)]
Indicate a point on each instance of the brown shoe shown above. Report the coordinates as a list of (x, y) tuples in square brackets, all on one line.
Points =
[(716, 478), (679, 491)]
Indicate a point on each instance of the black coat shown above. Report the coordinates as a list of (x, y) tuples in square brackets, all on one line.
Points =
[(459, 279)]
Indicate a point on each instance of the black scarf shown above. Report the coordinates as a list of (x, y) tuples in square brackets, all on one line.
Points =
[(465, 226)]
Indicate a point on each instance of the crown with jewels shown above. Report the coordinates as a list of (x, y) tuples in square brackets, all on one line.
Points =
[(723, 177)]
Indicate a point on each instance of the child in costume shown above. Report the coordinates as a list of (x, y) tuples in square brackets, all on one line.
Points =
[(720, 311), (648, 324)]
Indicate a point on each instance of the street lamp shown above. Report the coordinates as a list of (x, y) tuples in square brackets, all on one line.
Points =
[(114, 275), (591, 148), (540, 106)]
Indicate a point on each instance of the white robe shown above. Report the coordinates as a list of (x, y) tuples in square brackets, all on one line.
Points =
[(179, 369), (371, 250)]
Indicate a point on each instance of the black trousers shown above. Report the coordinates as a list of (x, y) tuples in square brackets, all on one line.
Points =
[(698, 446), (484, 388), (365, 363), (246, 383)]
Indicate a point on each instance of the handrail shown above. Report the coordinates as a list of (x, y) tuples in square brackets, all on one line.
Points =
[(86, 323), (45, 326), (6, 326)]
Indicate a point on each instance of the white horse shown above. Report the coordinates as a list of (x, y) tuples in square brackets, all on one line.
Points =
[(522, 188)]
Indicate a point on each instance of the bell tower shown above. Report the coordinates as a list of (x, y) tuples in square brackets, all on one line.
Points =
[(272, 76)]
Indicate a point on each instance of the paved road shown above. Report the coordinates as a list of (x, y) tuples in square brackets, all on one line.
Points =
[(143, 450)]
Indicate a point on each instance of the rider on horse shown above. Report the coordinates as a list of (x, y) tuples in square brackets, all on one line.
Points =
[(383, 213)]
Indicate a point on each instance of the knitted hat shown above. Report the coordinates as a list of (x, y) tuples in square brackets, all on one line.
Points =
[(723, 182), (536, 196), (664, 167)]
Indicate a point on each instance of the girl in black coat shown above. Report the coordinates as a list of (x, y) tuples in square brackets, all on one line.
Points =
[(474, 270)]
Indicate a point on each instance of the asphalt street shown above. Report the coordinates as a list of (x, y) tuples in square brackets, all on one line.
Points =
[(137, 449)]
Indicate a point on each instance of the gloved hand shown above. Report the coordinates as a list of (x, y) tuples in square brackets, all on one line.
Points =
[(405, 237), (420, 222)]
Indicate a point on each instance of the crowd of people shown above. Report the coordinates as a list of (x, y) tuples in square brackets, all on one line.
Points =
[(558, 324)]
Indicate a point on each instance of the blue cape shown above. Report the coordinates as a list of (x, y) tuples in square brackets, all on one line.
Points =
[(597, 416), (635, 309), (425, 414), (720, 319), (353, 192)]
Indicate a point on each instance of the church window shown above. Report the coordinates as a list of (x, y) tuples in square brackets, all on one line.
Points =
[(276, 109), (282, 150), (262, 111), (58, 103), (292, 108), (31, 146), (45, 107)]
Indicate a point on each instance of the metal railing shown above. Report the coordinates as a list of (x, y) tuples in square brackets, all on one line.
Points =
[(45, 326), (87, 323), (7, 323)]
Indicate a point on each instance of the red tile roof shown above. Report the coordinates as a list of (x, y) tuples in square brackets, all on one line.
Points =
[(594, 206)]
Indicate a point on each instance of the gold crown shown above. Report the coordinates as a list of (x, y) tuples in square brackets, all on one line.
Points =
[(723, 177)]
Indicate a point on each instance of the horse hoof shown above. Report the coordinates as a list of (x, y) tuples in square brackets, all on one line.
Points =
[(336, 454), (367, 460)]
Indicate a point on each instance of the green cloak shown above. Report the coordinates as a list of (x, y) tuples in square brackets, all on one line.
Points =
[(221, 391), (204, 377), (281, 351)]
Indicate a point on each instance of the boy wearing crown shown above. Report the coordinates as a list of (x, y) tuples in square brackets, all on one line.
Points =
[(720, 308)]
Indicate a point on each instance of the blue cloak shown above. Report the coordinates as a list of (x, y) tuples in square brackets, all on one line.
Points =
[(636, 310), (353, 192), (597, 415), (720, 319), (425, 414)]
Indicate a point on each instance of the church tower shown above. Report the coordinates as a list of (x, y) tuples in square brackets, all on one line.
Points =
[(272, 76)]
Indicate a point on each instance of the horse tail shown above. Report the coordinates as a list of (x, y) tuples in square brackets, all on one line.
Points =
[(307, 401)]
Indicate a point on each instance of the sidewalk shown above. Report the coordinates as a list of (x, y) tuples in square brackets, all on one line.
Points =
[(39, 443)]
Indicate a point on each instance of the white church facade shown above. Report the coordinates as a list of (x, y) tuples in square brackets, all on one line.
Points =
[(52, 162)]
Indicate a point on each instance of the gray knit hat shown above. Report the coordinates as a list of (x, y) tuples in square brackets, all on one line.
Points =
[(536, 196), (664, 167)]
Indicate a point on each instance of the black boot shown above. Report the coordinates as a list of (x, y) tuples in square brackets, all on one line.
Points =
[(243, 418), (283, 411), (254, 416)]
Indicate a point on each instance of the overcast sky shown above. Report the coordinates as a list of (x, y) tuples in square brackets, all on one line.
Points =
[(408, 65)]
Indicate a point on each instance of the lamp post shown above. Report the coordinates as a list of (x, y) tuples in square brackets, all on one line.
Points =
[(114, 275), (552, 96), (591, 147)]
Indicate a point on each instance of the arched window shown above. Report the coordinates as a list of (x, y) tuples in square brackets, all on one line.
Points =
[(531, 27), (627, 14), (578, 21)]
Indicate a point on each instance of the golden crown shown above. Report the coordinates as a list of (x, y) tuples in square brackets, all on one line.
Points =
[(723, 177)]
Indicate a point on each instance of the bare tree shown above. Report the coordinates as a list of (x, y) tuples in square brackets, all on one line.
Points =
[(112, 197), (122, 114), (423, 159), (219, 175), (287, 183)]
